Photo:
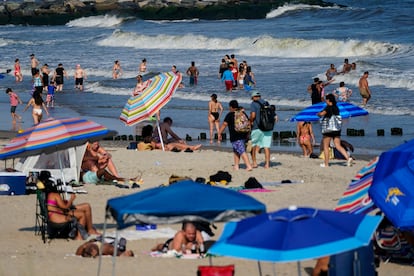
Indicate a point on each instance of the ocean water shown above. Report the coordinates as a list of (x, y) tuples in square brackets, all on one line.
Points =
[(294, 44)]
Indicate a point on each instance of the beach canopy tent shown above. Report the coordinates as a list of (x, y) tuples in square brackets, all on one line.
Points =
[(71, 159), (184, 200), (181, 201)]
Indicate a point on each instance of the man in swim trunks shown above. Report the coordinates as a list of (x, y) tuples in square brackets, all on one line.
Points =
[(33, 64), (364, 90), (192, 71), (260, 138), (80, 75)]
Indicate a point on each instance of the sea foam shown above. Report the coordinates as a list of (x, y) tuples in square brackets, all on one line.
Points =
[(101, 21), (255, 46)]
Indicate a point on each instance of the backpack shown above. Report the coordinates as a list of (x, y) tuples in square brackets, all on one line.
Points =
[(241, 121), (267, 117)]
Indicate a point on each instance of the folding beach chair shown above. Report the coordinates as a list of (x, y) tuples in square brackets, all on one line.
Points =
[(49, 230), (227, 270)]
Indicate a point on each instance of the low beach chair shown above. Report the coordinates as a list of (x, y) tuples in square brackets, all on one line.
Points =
[(47, 229)]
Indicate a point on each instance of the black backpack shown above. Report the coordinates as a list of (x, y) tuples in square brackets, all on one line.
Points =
[(267, 117)]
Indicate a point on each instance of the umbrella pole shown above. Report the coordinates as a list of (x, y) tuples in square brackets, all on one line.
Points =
[(260, 268), (100, 251), (159, 135), (299, 269), (115, 252), (63, 175)]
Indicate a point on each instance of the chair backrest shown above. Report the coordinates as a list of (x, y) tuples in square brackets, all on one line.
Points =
[(227, 270)]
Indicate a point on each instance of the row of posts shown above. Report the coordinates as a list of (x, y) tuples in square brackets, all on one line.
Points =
[(282, 135)]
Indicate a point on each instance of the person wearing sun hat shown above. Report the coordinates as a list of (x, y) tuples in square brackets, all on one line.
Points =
[(260, 139)]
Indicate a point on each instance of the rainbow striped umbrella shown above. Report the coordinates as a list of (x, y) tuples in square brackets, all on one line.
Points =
[(53, 135), (356, 198), (158, 93)]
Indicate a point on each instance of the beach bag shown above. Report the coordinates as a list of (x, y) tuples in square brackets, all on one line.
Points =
[(241, 121), (334, 123), (267, 117)]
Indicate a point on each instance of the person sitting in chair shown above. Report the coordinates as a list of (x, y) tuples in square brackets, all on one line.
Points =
[(63, 211)]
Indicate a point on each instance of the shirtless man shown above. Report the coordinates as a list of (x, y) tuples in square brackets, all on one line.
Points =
[(33, 64), (364, 90), (96, 158), (80, 75), (305, 137), (192, 71), (331, 72), (187, 240), (346, 68)]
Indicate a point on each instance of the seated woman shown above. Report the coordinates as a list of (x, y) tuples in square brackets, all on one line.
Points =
[(186, 241), (62, 211)]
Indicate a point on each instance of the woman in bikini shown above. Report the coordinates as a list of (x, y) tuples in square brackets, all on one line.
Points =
[(62, 211), (116, 70), (17, 71), (305, 137), (38, 104), (214, 112)]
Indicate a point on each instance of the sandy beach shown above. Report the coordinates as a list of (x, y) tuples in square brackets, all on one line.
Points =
[(23, 253)]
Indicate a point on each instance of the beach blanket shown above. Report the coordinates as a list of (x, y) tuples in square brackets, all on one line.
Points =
[(175, 254), (132, 234)]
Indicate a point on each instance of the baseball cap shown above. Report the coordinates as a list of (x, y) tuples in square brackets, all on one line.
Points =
[(255, 93)]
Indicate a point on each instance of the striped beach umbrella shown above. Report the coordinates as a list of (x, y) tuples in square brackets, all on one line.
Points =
[(356, 198), (346, 110), (158, 93), (53, 135)]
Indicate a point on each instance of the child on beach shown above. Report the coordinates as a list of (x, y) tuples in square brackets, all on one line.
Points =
[(50, 98), (14, 101)]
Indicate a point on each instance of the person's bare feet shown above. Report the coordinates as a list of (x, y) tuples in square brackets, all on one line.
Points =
[(197, 147), (249, 168)]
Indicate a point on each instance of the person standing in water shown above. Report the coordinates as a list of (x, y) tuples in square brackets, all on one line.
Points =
[(116, 70), (364, 90), (215, 109), (192, 71)]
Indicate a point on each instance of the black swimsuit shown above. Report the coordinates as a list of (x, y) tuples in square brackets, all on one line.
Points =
[(216, 115)]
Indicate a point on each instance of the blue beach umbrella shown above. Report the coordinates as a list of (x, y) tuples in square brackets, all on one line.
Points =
[(346, 110), (295, 234), (392, 189)]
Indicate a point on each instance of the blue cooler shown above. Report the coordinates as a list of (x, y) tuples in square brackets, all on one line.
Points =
[(12, 183)]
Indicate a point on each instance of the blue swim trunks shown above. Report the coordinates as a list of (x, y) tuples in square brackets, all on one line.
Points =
[(262, 139), (239, 146), (91, 177)]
